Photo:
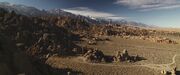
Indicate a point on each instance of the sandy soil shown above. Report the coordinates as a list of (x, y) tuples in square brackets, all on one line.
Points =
[(154, 53), (99, 69)]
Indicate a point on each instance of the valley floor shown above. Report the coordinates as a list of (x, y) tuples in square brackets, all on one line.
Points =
[(154, 54)]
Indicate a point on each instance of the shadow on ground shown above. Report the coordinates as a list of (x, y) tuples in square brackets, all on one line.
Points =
[(178, 73), (48, 70), (109, 59)]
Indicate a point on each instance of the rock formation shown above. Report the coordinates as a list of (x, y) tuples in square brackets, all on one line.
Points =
[(124, 56), (94, 56)]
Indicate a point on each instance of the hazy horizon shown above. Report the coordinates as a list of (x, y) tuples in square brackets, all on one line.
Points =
[(163, 13)]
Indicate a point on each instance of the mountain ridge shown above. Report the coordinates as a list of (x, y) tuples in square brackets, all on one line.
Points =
[(32, 11)]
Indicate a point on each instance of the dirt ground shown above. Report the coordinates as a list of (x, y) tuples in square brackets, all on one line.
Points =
[(99, 69), (154, 53)]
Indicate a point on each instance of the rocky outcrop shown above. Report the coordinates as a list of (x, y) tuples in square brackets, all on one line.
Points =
[(94, 56), (29, 42), (37, 37), (124, 56)]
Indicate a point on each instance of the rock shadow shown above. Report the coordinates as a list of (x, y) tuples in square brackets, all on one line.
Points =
[(177, 72), (110, 59)]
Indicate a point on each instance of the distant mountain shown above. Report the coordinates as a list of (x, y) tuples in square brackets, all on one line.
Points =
[(122, 22), (131, 23), (59, 12), (32, 11), (22, 9), (95, 20)]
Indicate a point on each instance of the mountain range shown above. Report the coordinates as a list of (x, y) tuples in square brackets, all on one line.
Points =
[(32, 11)]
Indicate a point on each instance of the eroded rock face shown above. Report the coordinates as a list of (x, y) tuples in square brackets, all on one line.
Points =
[(94, 56)]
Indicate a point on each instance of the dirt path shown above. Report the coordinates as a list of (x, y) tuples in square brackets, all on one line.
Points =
[(77, 63), (80, 60), (167, 67), (160, 67)]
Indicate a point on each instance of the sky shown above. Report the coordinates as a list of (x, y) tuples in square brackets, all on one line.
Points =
[(164, 13)]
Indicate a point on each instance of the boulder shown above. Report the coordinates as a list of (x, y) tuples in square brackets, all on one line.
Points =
[(94, 56), (124, 56), (92, 42)]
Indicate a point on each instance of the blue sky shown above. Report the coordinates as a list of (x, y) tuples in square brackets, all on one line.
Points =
[(165, 13)]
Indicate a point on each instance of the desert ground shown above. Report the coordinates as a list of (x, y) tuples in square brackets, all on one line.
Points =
[(157, 57), (51, 45)]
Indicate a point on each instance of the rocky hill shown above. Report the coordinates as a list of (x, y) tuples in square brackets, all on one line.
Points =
[(33, 40), (36, 36), (32, 11)]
